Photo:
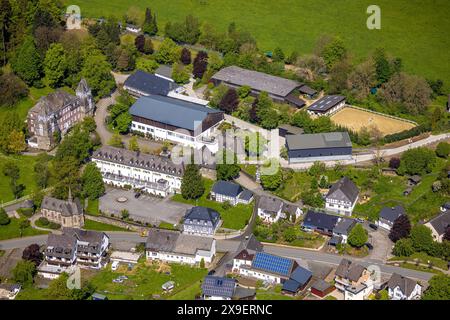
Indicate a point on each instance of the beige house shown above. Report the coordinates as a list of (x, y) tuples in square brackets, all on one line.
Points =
[(353, 280), (439, 225), (66, 213)]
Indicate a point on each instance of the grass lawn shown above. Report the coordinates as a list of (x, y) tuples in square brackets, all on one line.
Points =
[(166, 225), (272, 294), (296, 25), (92, 207), (26, 166), (423, 258), (249, 169), (32, 293), (145, 280), (2, 252), (235, 217), (94, 225), (12, 230), (419, 268), (189, 293)]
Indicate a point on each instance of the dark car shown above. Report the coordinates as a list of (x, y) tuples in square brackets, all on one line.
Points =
[(211, 272), (369, 246), (373, 226), (137, 195)]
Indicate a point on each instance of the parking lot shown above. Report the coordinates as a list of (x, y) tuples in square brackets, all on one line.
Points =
[(145, 208)]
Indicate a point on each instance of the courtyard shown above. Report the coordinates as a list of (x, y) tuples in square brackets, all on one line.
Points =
[(145, 208)]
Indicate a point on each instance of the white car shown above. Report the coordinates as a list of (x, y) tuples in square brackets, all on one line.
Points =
[(114, 265)]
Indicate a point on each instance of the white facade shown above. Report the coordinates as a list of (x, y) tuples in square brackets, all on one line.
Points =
[(397, 294), (333, 110), (174, 257), (180, 136), (384, 224), (154, 182), (363, 292), (258, 274), (340, 207), (268, 217)]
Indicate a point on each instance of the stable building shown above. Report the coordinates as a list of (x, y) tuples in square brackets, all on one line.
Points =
[(279, 89), (153, 174), (174, 246), (330, 146), (187, 123), (326, 106)]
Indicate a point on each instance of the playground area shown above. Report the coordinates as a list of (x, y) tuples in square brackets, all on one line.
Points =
[(356, 119)]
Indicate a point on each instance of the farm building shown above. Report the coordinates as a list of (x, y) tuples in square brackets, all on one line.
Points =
[(279, 89), (327, 105), (319, 147), (286, 129), (321, 288)]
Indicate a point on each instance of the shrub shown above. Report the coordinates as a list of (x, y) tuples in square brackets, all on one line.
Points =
[(407, 133), (443, 149), (43, 221), (27, 212), (4, 219), (403, 248)]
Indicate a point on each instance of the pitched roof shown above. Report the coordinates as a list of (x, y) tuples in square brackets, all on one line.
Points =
[(390, 214), (318, 140), (321, 285), (441, 222), (138, 160), (290, 208), (202, 214), (149, 83), (344, 226), (227, 188), (326, 103), (176, 242), (273, 264), (405, 284), (67, 208), (270, 204), (246, 195), (256, 80), (53, 102), (349, 270), (175, 112), (344, 190), (307, 90), (164, 70), (251, 245), (218, 286), (320, 220), (244, 255), (301, 275)]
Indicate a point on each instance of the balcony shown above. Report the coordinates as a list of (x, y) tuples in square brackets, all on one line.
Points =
[(160, 185)]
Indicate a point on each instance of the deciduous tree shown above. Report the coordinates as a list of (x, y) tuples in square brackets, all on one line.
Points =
[(92, 182), (358, 236), (400, 229), (192, 186)]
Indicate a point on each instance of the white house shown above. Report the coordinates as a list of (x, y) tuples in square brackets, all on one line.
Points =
[(439, 225), (388, 216), (154, 174), (353, 280), (173, 246), (342, 197), (271, 210), (226, 191), (201, 221), (9, 291), (132, 28), (402, 288)]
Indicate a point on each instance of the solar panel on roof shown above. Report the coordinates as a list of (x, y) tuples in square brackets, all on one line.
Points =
[(271, 263)]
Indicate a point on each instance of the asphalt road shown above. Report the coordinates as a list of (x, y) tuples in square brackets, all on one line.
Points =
[(232, 245)]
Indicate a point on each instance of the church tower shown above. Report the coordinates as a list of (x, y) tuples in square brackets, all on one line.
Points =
[(84, 93)]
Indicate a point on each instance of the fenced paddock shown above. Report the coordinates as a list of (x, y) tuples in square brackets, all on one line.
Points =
[(357, 118)]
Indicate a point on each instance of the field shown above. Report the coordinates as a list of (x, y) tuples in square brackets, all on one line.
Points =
[(356, 119), (12, 230), (233, 218), (94, 225), (414, 30)]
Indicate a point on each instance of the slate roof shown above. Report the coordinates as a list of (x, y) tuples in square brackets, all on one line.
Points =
[(270, 204), (390, 214), (175, 112), (227, 188), (344, 190), (174, 241), (441, 222), (202, 214), (290, 129), (164, 70), (61, 245), (307, 90), (53, 102), (321, 285), (218, 286), (138, 160), (244, 255), (251, 245), (67, 208), (326, 103), (246, 195), (301, 275), (290, 208), (256, 80), (320, 220), (406, 285), (149, 83), (344, 226), (349, 270), (318, 140)]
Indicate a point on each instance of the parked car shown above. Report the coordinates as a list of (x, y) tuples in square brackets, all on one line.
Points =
[(114, 265), (373, 226), (137, 195), (360, 220), (211, 272), (369, 246), (117, 280)]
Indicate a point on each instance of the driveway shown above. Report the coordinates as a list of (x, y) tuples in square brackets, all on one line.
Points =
[(145, 208), (381, 243)]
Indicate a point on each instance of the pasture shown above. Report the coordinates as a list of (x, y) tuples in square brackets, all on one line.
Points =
[(356, 119), (414, 30)]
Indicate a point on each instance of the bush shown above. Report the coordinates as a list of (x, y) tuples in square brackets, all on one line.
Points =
[(27, 212), (403, 248), (4, 219), (226, 205), (43, 221), (443, 149), (407, 133)]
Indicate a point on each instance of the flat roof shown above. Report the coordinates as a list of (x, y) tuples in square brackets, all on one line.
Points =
[(318, 140), (326, 103), (171, 111), (257, 80)]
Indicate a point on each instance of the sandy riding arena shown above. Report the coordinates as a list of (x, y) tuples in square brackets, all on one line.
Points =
[(356, 119)]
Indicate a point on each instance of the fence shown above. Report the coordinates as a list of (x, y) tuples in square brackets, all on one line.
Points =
[(382, 114)]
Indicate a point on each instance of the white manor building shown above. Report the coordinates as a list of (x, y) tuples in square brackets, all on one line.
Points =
[(154, 174), (183, 122)]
